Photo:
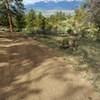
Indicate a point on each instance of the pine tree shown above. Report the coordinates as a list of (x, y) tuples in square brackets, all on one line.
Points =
[(10, 8), (93, 7), (30, 20), (20, 16)]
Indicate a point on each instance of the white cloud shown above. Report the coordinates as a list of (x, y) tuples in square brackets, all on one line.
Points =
[(34, 1)]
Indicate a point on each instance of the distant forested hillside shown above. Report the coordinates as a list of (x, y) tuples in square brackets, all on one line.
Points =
[(50, 5)]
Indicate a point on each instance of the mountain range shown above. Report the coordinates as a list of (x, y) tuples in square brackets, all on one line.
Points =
[(51, 5)]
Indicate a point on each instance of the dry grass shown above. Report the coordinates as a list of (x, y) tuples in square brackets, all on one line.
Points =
[(85, 60)]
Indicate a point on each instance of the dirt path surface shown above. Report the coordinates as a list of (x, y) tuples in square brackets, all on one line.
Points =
[(50, 78)]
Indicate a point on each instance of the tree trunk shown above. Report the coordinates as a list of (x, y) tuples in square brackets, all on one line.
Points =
[(10, 22), (9, 16)]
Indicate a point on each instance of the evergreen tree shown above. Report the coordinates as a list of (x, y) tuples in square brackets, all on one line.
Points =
[(93, 10), (19, 20), (41, 20), (30, 20), (10, 8)]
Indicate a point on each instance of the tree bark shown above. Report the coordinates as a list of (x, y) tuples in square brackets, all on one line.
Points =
[(9, 16)]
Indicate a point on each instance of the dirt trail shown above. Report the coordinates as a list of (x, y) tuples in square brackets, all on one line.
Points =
[(50, 78)]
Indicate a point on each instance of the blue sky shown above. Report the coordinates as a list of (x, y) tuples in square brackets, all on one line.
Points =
[(26, 2)]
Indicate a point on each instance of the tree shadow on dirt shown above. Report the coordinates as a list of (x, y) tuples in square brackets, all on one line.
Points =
[(19, 91), (22, 60)]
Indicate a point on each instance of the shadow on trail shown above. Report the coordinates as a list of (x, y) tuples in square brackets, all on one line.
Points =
[(37, 73), (22, 60)]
